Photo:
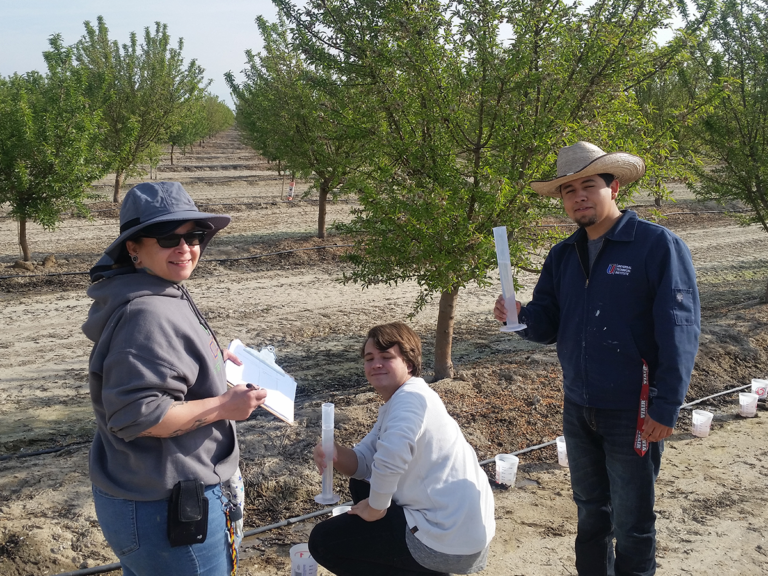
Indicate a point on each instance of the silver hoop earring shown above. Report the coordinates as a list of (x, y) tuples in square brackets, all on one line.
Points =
[(135, 258)]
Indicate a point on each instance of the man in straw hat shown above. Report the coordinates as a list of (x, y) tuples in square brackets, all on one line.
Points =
[(619, 297)]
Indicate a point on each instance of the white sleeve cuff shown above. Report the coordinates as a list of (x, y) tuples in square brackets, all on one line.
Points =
[(379, 500)]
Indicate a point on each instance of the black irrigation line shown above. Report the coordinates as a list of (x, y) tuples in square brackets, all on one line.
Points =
[(55, 449), (275, 253), (203, 202), (200, 262), (563, 225), (264, 199), (289, 521), (44, 451)]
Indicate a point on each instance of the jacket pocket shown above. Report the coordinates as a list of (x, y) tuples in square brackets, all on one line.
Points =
[(682, 306)]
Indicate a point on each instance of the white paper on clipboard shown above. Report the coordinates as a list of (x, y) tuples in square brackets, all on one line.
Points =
[(259, 368)]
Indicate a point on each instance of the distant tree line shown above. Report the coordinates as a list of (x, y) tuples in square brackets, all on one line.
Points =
[(437, 113), (100, 108)]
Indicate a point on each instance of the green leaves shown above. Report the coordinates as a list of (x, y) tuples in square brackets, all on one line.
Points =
[(463, 102), (49, 141), (140, 88), (734, 130), (300, 115)]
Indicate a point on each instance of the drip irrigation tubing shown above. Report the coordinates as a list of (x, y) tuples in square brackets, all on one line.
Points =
[(275, 253), (255, 256), (271, 199), (483, 463), (714, 396), (44, 451), (263, 199), (289, 521)]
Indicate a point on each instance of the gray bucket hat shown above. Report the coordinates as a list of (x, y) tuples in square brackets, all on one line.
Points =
[(584, 159), (150, 204)]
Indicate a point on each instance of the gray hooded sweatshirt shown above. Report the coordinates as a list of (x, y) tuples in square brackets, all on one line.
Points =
[(152, 347)]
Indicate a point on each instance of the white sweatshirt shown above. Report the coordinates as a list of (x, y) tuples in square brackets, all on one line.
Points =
[(417, 456)]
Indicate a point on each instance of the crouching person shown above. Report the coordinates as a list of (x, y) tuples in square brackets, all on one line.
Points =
[(422, 504)]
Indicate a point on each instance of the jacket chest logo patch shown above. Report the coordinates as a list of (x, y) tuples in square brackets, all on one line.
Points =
[(619, 269)]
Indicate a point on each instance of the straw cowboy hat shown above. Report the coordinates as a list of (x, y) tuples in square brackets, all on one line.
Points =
[(584, 159)]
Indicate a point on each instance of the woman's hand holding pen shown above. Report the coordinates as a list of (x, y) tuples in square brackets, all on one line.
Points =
[(239, 401)]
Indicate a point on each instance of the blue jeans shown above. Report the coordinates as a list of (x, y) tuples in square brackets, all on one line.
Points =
[(137, 532), (613, 487)]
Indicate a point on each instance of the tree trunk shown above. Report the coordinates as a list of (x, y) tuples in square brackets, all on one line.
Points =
[(444, 335), (23, 239), (171, 154), (321, 208), (118, 183), (657, 201)]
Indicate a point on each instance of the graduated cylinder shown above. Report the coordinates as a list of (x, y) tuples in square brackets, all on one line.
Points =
[(327, 496)]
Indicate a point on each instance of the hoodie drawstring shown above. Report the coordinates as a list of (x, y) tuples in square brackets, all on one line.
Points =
[(200, 318)]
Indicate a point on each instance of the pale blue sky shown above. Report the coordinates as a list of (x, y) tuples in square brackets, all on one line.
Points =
[(215, 32)]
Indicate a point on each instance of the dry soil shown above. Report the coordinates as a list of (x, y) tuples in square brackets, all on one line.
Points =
[(506, 395)]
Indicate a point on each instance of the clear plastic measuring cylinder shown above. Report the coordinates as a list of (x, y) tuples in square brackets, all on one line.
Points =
[(327, 496), (507, 281)]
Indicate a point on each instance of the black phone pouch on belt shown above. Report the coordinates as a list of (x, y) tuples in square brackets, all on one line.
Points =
[(188, 513)]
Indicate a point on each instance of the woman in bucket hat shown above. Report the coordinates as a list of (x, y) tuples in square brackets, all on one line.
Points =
[(619, 298), (165, 439)]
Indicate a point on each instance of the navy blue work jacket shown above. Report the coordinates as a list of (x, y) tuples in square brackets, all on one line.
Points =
[(638, 302)]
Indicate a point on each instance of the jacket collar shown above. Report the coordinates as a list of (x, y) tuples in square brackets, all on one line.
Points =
[(622, 231)]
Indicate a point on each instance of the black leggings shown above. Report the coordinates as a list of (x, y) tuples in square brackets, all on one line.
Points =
[(347, 545)]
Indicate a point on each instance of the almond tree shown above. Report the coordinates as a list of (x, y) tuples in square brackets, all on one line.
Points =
[(734, 132), (290, 112), (462, 114), (201, 117), (49, 142), (138, 87)]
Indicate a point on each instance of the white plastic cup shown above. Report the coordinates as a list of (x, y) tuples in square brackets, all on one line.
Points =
[(701, 422), (302, 563), (760, 387), (340, 510), (562, 453), (747, 404), (506, 468)]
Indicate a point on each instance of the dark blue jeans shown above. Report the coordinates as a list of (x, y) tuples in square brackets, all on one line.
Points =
[(613, 488)]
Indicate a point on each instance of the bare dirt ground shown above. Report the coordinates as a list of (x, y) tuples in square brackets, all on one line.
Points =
[(507, 393)]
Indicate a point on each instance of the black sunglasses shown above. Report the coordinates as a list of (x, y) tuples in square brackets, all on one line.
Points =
[(193, 238)]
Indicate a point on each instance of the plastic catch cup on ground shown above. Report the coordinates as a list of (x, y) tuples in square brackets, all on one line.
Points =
[(562, 453), (506, 468), (302, 563), (340, 510), (760, 387), (701, 421), (747, 404)]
